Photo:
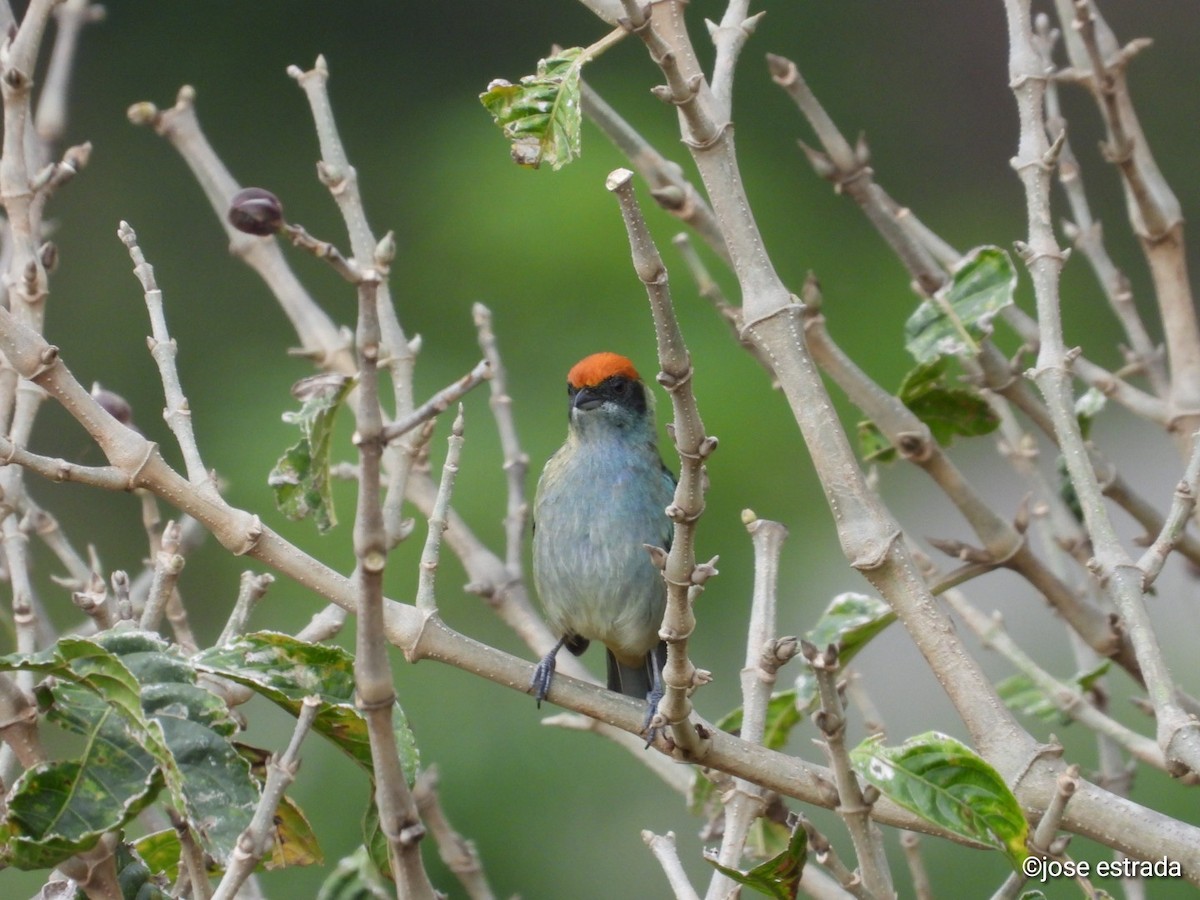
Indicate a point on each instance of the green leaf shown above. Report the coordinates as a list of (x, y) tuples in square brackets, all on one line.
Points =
[(136, 879), (873, 446), (949, 411), (83, 662), (301, 479), (355, 878), (221, 796), (215, 786), (960, 315), (160, 851), (944, 782), (62, 807), (375, 841), (286, 670), (1021, 694), (139, 736), (779, 876), (851, 621), (540, 116), (782, 717)]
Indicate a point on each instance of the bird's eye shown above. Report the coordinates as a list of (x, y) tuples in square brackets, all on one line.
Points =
[(620, 387)]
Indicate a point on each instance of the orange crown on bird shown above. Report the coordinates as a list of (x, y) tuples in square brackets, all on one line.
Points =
[(598, 368)]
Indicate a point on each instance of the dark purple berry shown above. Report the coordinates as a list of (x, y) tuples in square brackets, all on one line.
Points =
[(113, 404), (256, 211)]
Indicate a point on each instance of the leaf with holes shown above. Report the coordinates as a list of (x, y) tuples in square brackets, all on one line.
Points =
[(778, 877), (540, 115), (301, 479), (286, 670), (146, 724)]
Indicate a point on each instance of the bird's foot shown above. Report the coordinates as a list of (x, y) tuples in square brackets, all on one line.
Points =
[(648, 727), (539, 685)]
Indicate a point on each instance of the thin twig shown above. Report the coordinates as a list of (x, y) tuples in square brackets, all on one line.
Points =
[(46, 527), (849, 170), (910, 843), (663, 848), (685, 579), (458, 853), (669, 188), (426, 598), (398, 818), (70, 17), (747, 801), (162, 347), (516, 461), (320, 339), (336, 173), (824, 853), (1180, 514), (252, 588), (854, 804), (168, 563), (324, 625), (1178, 733), (191, 858), (94, 603), (439, 402), (254, 842)]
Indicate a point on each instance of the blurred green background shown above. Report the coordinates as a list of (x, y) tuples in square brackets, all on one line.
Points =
[(555, 813)]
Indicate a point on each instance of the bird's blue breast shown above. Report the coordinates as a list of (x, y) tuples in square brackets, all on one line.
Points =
[(598, 503)]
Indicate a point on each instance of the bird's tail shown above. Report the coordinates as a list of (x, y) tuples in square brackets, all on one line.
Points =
[(637, 681)]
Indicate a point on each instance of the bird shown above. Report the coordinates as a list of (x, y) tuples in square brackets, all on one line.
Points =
[(600, 504)]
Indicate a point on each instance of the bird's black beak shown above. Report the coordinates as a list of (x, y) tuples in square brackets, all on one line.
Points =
[(585, 399)]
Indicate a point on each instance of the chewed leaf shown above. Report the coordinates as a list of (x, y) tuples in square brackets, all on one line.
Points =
[(301, 478), (540, 115), (778, 877), (960, 315), (285, 670), (943, 781), (146, 725)]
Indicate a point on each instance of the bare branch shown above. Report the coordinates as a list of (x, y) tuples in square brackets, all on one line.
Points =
[(663, 848), (516, 461), (458, 853), (253, 843), (1177, 732), (439, 402), (162, 347), (426, 600), (685, 579)]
